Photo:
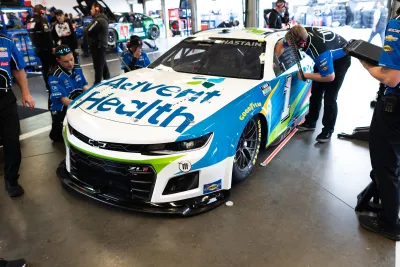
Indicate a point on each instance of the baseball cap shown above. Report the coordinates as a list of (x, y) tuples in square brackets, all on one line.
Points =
[(63, 50)]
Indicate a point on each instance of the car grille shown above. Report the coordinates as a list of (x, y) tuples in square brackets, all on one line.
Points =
[(123, 180), (106, 145)]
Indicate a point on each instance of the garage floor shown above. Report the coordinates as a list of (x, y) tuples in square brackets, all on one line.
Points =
[(297, 211)]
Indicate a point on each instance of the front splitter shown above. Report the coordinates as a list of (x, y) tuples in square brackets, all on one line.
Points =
[(187, 207)]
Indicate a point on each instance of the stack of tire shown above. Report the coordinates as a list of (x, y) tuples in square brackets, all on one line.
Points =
[(367, 18), (357, 20), (339, 15)]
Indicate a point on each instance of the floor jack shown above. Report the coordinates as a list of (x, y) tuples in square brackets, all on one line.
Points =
[(359, 133)]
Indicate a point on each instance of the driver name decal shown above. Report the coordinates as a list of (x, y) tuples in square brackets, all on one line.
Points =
[(242, 43)]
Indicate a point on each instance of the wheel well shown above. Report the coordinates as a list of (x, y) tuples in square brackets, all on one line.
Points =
[(264, 129)]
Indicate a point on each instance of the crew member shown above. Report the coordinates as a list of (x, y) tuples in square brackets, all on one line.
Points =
[(42, 41), (67, 82), (12, 64), (97, 32), (229, 24), (133, 58), (380, 18), (384, 139), (331, 65), (275, 17), (63, 33)]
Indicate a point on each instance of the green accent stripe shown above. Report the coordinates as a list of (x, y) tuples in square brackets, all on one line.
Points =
[(158, 164)]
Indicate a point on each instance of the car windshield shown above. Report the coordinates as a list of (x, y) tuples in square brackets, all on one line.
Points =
[(231, 58)]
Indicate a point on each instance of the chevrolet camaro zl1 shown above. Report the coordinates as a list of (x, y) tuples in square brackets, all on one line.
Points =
[(174, 137)]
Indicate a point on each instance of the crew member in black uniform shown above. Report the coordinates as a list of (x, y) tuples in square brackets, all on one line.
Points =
[(331, 64), (275, 17), (12, 64), (42, 41), (63, 33), (384, 143), (97, 32)]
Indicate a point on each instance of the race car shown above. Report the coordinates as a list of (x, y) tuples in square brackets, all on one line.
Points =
[(134, 24), (174, 137)]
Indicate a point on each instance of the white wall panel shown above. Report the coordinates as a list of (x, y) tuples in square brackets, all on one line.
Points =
[(66, 5)]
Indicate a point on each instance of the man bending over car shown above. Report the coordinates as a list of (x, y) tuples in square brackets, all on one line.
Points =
[(66, 82)]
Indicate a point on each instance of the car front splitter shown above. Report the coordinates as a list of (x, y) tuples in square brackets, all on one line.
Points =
[(186, 208)]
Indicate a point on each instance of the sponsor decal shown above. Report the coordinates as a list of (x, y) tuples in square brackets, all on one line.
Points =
[(394, 30), (185, 166), (248, 110), (391, 38), (4, 64), (138, 169), (324, 68), (54, 88), (324, 63), (323, 34), (139, 109), (207, 83), (56, 94), (212, 187), (266, 89), (388, 48), (53, 82), (97, 143), (3, 54), (2, 49)]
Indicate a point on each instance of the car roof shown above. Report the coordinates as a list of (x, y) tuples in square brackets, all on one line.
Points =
[(237, 33)]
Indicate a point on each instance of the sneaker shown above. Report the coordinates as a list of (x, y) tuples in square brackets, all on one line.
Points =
[(375, 225), (324, 137), (14, 190), (14, 263), (306, 127)]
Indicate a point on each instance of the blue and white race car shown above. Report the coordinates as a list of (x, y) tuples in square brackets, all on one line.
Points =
[(174, 137)]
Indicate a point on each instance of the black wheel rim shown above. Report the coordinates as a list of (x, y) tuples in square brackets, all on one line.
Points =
[(154, 32), (111, 37), (247, 146)]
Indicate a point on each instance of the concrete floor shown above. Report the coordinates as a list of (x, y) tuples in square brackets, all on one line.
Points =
[(297, 211)]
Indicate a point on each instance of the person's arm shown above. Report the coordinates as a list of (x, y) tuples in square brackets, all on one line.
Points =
[(324, 63), (17, 66), (273, 20), (85, 88), (389, 77), (94, 27)]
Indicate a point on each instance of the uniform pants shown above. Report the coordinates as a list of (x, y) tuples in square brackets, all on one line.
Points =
[(328, 91), (48, 62), (57, 118), (384, 148), (381, 33), (100, 64), (9, 133)]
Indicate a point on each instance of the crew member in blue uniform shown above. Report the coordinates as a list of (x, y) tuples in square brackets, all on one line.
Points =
[(384, 142), (66, 83), (12, 64), (133, 57), (331, 65)]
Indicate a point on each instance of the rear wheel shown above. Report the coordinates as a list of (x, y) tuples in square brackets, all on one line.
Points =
[(112, 38), (247, 150)]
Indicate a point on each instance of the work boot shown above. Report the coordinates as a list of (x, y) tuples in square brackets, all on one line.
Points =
[(306, 127), (324, 137), (374, 224), (14, 263), (14, 189)]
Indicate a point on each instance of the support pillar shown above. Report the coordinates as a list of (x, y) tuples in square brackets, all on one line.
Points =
[(165, 17), (196, 18), (252, 16)]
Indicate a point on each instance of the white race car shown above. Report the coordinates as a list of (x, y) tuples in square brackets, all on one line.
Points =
[(174, 137)]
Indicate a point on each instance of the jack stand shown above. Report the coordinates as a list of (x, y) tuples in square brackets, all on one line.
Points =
[(359, 133), (363, 200)]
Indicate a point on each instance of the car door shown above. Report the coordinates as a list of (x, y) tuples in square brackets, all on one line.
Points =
[(288, 93)]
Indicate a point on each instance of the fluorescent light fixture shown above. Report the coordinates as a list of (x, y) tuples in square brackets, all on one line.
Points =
[(13, 10)]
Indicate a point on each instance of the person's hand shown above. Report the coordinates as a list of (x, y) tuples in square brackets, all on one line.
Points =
[(53, 51), (299, 75), (28, 99)]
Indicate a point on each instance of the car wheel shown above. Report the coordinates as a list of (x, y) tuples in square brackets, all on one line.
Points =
[(112, 38), (154, 32), (247, 150)]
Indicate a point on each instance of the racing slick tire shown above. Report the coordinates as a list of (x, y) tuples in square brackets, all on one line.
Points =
[(154, 32), (247, 150), (112, 38)]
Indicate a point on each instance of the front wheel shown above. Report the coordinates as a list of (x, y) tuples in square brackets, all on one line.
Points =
[(154, 32), (247, 150)]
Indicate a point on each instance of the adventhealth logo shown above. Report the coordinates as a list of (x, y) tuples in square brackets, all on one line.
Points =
[(154, 110), (207, 83)]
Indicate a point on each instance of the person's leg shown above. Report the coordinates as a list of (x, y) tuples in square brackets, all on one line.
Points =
[(372, 36), (382, 34), (57, 125), (98, 64), (106, 71), (12, 149), (45, 60), (317, 92), (331, 94)]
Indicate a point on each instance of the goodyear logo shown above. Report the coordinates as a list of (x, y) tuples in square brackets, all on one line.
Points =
[(391, 38), (249, 109), (212, 187), (388, 48)]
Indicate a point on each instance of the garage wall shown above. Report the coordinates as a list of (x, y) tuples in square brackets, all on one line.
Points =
[(66, 5)]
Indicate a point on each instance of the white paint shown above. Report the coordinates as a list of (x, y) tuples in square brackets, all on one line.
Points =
[(397, 255), (34, 133), (229, 203)]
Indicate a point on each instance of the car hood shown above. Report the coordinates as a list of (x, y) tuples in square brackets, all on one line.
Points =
[(159, 101)]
